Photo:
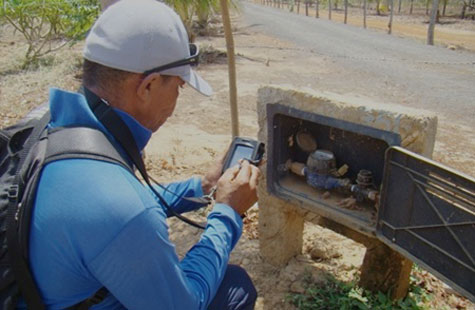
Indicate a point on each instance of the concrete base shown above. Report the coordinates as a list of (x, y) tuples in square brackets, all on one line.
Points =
[(385, 270), (280, 233)]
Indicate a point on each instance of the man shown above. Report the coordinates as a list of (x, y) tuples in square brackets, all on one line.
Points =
[(94, 224)]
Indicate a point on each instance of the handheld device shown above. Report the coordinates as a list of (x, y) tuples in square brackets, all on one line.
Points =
[(244, 148)]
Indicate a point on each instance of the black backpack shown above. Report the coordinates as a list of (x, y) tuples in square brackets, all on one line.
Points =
[(24, 149)]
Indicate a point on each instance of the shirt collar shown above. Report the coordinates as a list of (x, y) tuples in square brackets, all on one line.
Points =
[(71, 109)]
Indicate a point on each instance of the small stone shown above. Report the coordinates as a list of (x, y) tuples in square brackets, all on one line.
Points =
[(297, 287), (326, 195), (317, 253)]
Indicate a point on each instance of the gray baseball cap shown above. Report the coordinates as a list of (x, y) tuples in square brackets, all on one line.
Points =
[(140, 36)]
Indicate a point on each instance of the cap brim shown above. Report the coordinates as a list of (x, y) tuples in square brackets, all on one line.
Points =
[(197, 82)]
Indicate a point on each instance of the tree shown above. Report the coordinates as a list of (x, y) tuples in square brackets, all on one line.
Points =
[(433, 15), (346, 11), (48, 25), (202, 9), (364, 13), (231, 68), (378, 7), (390, 25)]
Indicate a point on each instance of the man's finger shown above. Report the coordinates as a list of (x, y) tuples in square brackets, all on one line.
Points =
[(231, 173), (245, 171), (254, 179)]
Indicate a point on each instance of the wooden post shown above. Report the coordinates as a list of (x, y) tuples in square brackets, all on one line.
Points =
[(433, 15), (364, 13), (412, 6), (298, 6), (316, 9), (228, 34), (330, 9), (390, 25), (346, 11), (306, 7)]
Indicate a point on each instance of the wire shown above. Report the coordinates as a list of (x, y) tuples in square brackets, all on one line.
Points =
[(169, 208)]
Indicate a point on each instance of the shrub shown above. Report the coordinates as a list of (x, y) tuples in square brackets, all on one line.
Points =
[(48, 25)]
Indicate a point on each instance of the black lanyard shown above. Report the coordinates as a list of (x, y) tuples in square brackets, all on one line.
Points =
[(121, 132)]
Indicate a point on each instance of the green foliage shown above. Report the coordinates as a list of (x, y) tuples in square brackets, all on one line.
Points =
[(48, 25), (337, 295), (202, 10)]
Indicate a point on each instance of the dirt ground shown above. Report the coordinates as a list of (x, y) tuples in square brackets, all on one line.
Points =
[(200, 130)]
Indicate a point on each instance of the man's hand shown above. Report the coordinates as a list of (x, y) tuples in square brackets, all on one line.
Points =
[(211, 178), (237, 187)]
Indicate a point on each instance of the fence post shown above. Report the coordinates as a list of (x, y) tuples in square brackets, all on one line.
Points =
[(390, 25), (346, 11), (364, 13)]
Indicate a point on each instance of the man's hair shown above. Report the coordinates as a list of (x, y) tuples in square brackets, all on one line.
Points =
[(97, 75)]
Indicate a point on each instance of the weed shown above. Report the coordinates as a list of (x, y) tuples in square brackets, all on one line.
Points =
[(333, 294)]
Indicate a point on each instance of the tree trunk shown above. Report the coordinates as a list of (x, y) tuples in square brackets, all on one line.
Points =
[(231, 67), (330, 9), (298, 6), (364, 13), (378, 2), (306, 7), (316, 9), (346, 11), (399, 7), (390, 24), (445, 6), (433, 15), (427, 7)]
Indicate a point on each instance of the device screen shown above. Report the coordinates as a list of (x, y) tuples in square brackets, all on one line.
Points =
[(241, 151)]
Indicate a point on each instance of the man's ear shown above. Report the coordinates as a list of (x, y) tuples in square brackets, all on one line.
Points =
[(146, 86)]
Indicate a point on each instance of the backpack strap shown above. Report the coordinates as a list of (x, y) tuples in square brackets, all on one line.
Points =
[(63, 143), (18, 261)]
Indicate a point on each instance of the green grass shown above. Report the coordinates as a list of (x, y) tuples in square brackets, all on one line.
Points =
[(333, 294)]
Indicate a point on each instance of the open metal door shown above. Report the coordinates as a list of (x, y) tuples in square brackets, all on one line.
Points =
[(427, 213)]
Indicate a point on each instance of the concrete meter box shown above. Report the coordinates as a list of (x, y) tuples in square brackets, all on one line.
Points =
[(361, 177)]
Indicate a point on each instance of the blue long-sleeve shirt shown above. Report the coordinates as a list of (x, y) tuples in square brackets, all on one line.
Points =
[(94, 225)]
